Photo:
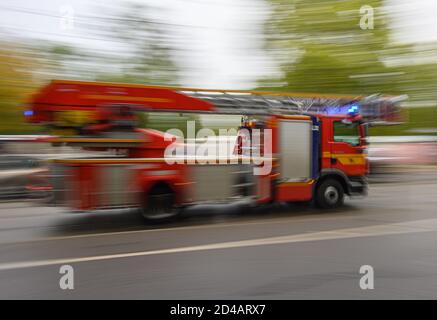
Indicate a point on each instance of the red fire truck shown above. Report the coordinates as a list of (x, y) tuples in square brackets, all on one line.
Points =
[(317, 150)]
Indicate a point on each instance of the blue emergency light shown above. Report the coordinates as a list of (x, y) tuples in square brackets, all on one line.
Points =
[(353, 109)]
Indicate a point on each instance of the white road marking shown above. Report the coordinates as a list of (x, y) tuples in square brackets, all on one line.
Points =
[(368, 231)]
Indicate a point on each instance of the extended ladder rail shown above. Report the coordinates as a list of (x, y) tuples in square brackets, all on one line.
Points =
[(61, 95), (375, 108)]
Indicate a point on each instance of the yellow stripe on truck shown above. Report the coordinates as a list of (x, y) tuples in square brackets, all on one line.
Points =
[(347, 158)]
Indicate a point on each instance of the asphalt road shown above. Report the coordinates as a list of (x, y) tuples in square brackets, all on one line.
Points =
[(282, 252)]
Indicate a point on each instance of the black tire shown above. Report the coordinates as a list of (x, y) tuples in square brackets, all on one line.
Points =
[(160, 205), (329, 194)]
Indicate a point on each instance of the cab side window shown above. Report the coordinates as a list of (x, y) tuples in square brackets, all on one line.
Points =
[(348, 133)]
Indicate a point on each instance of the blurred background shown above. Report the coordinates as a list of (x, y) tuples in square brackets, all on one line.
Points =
[(275, 45)]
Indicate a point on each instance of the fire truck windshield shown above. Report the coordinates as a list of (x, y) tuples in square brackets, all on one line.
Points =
[(347, 132)]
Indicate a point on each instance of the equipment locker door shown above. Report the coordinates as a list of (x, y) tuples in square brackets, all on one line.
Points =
[(295, 159)]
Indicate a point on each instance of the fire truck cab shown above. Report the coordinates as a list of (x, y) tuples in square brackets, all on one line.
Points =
[(320, 158)]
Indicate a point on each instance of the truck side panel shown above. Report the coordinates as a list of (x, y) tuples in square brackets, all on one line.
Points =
[(220, 182), (115, 186), (296, 159), (295, 145)]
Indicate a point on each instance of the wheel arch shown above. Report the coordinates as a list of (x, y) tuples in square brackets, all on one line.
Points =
[(335, 175), (159, 185), (159, 202), (155, 187)]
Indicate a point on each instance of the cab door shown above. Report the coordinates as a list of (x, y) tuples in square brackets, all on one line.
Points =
[(347, 153)]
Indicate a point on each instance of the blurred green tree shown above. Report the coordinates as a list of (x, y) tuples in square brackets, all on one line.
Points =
[(147, 43), (16, 83), (321, 47)]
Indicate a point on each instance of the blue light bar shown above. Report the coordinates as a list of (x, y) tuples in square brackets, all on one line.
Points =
[(28, 113), (353, 109)]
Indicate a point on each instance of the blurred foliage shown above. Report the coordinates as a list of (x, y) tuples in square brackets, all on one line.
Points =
[(420, 83), (148, 42), (321, 47), (417, 119), (16, 84)]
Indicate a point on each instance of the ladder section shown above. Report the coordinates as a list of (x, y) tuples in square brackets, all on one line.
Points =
[(67, 103), (375, 108)]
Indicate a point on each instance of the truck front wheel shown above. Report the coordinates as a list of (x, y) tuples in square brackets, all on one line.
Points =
[(160, 205), (329, 194)]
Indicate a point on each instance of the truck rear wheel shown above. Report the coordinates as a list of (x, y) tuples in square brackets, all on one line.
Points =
[(329, 194), (160, 204)]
